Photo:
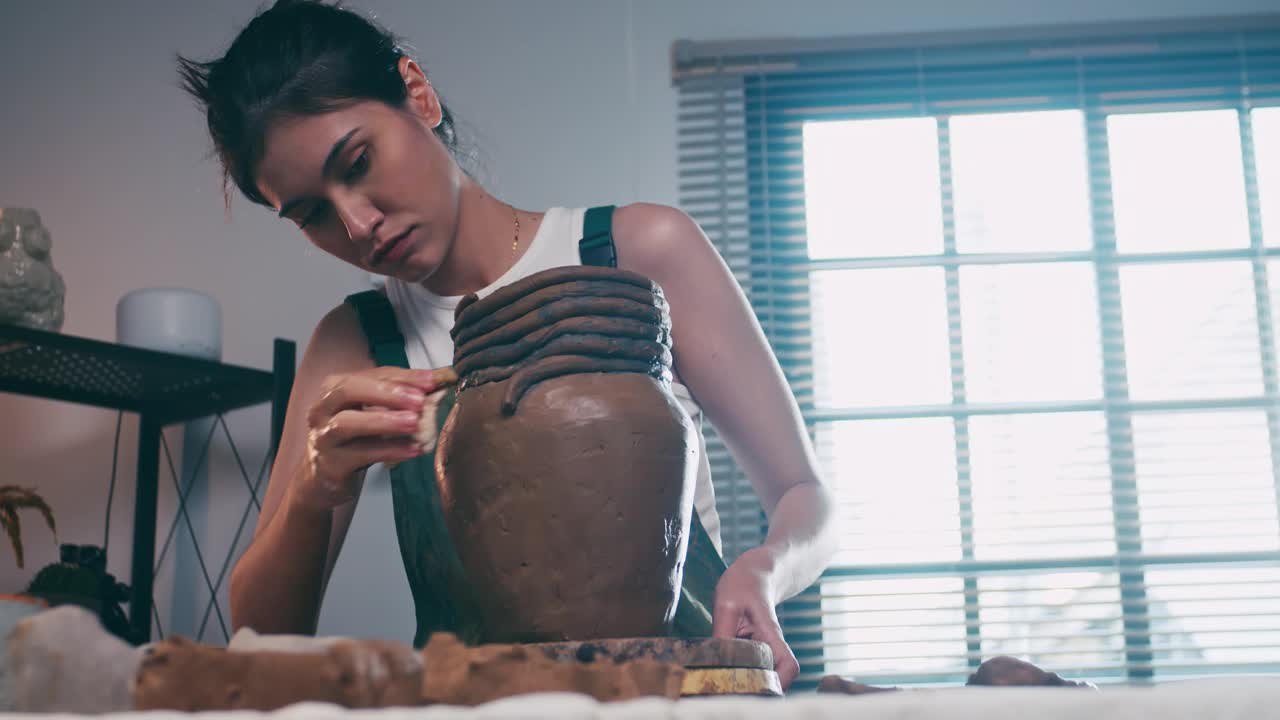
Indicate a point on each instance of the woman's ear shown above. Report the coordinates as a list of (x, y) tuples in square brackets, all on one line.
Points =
[(422, 96)]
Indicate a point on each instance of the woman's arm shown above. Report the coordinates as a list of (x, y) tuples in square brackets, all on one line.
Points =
[(722, 356), (279, 582)]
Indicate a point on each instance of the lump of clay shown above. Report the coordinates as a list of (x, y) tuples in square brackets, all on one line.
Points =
[(838, 685), (566, 467), (998, 671), (31, 291), (63, 660), (349, 673), (267, 673), (1004, 670), (458, 675), (249, 640), (428, 428)]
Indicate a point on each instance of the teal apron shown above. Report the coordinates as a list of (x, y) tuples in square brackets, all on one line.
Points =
[(430, 560)]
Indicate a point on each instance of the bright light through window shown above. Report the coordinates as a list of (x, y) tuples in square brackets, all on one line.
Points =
[(880, 337), (1191, 330), (1178, 181), (1034, 468), (896, 489), (871, 188), (1021, 182), (1266, 144), (1030, 332), (1041, 486)]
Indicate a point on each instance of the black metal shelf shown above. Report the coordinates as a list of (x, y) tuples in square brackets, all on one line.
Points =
[(173, 387), (162, 388)]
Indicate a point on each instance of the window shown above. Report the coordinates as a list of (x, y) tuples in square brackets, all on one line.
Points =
[(1025, 292)]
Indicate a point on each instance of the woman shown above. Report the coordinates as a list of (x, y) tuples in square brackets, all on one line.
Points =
[(317, 114)]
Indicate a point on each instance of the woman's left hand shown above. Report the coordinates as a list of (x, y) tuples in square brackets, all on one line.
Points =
[(743, 609)]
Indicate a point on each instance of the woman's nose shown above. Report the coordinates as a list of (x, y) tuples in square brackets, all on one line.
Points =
[(360, 217)]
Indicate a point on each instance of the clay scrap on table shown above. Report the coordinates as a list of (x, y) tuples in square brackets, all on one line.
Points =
[(249, 640), (1000, 671), (460, 675), (348, 673), (686, 652), (62, 660), (1007, 671), (838, 685), (365, 674)]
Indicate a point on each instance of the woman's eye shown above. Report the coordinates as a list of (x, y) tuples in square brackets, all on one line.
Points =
[(359, 167), (316, 214)]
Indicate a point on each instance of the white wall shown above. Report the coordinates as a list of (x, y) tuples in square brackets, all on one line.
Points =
[(569, 102)]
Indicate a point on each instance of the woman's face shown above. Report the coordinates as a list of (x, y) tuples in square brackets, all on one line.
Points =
[(367, 183)]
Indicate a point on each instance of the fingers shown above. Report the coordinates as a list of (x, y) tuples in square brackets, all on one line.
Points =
[(348, 425), (360, 419), (732, 619), (335, 470), (366, 451), (784, 661), (355, 439), (726, 619), (427, 380), (354, 391), (391, 387)]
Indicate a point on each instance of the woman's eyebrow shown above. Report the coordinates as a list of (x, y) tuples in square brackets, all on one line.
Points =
[(332, 157)]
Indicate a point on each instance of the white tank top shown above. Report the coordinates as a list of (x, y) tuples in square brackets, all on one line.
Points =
[(425, 320)]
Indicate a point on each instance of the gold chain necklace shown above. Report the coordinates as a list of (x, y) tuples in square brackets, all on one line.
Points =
[(515, 241)]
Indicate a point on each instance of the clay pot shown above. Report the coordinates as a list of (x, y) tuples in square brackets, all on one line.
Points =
[(566, 468)]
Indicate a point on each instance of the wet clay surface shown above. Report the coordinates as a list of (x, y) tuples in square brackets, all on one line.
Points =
[(605, 333), (482, 322), (566, 467), (562, 321), (570, 516), (467, 311)]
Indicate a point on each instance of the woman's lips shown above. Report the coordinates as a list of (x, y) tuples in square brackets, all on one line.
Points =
[(394, 250)]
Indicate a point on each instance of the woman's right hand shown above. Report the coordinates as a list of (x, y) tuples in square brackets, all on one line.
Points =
[(361, 418)]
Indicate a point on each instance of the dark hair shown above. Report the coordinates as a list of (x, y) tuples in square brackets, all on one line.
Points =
[(300, 57)]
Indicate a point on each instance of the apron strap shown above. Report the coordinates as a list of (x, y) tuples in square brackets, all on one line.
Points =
[(378, 320), (703, 564), (596, 247), (431, 561)]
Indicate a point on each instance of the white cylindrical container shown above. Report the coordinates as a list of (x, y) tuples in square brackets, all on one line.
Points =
[(176, 320), (184, 322)]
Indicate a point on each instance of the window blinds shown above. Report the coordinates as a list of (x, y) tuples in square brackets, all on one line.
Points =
[(1023, 287)]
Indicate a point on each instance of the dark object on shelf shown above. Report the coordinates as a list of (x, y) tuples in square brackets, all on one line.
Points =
[(163, 388), (81, 578)]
